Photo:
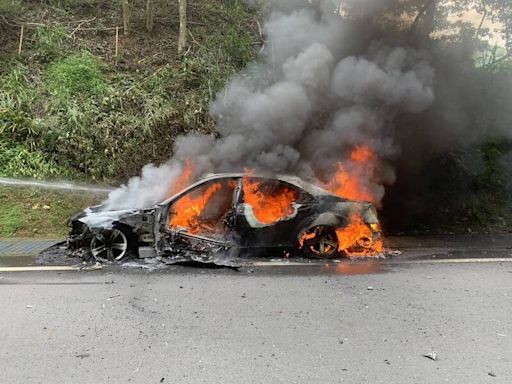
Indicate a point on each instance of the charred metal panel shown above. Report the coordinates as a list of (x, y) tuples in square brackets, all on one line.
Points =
[(142, 224), (180, 246), (146, 252)]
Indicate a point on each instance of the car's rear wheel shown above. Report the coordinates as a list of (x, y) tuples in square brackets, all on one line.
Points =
[(110, 245), (320, 242)]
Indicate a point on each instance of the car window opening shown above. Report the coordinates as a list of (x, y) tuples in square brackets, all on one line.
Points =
[(204, 209)]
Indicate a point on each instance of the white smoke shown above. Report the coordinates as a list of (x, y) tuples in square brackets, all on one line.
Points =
[(153, 186)]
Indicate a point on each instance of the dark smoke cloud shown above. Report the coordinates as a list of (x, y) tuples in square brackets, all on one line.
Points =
[(323, 85)]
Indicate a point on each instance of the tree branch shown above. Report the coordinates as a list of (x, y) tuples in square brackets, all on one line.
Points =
[(421, 13), (477, 34)]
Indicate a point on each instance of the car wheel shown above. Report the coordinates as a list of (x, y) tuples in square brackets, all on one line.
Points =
[(320, 243), (110, 245)]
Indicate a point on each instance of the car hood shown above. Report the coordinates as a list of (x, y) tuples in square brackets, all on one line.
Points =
[(96, 219)]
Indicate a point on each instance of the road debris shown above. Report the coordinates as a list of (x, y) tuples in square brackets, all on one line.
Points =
[(30, 306), (370, 288), (492, 374), (431, 356), (96, 266)]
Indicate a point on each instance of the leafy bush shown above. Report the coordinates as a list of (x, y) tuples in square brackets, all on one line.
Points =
[(76, 76), (72, 114), (19, 161), (14, 92), (16, 121), (48, 41), (469, 188), (10, 6)]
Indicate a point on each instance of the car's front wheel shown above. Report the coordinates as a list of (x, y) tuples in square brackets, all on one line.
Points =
[(320, 242), (110, 245)]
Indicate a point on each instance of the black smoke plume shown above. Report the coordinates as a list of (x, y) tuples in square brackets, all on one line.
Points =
[(331, 77)]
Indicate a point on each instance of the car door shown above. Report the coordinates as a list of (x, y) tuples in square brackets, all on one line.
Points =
[(268, 212), (205, 211)]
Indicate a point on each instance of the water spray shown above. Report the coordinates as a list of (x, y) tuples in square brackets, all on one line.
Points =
[(52, 185)]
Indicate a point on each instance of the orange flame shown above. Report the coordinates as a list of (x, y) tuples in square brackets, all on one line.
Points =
[(305, 237), (351, 178), (188, 209), (362, 155), (357, 238), (352, 181), (271, 205), (184, 179)]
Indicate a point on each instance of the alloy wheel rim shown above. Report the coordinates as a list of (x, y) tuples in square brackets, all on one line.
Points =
[(109, 245)]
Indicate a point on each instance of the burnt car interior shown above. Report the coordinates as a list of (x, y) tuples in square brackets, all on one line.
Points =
[(206, 209)]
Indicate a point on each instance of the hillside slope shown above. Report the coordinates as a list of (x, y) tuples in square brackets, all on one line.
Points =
[(70, 108)]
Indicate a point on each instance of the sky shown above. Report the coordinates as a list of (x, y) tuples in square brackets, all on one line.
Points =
[(475, 18)]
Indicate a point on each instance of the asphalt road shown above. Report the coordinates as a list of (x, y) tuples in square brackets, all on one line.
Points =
[(346, 323)]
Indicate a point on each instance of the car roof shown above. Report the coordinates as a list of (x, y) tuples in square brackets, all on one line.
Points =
[(292, 180)]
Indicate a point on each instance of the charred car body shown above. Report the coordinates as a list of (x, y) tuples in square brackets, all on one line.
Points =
[(224, 215)]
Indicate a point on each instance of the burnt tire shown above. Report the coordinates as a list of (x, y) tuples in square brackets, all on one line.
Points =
[(320, 243), (113, 244)]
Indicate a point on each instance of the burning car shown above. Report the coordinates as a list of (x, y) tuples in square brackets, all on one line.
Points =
[(232, 214)]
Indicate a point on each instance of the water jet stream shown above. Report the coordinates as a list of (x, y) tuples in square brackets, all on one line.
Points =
[(52, 185)]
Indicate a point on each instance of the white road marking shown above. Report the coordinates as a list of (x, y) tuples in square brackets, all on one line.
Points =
[(387, 262), (458, 261), (279, 264), (41, 268)]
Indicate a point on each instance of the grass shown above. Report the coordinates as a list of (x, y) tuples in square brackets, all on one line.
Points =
[(35, 212), (11, 219), (11, 6), (75, 76), (68, 109), (18, 161)]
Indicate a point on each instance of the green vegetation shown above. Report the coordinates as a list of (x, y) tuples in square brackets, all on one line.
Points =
[(11, 219), (69, 108), (77, 77), (470, 190), (18, 161), (40, 212), (10, 6)]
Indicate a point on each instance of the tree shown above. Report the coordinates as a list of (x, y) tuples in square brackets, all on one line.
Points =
[(149, 15), (426, 20), (423, 23), (182, 39), (126, 17)]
